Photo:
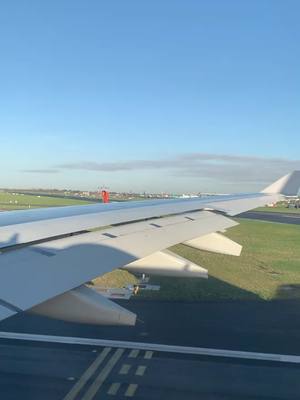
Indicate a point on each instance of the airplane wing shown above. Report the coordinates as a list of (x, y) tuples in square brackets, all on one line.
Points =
[(47, 255)]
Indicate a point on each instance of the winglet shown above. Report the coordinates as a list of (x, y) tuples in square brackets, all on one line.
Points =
[(288, 185)]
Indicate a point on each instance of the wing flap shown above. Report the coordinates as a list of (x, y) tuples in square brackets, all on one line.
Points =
[(43, 271)]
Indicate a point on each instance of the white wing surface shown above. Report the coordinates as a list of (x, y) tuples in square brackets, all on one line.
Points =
[(48, 255)]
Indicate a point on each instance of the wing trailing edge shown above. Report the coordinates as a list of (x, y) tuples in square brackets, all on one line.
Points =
[(50, 269)]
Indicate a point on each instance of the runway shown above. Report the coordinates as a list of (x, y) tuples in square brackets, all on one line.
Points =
[(284, 218), (69, 372), (258, 326), (206, 360), (218, 350)]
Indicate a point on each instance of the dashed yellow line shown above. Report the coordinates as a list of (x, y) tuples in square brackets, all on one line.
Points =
[(87, 375), (98, 382), (148, 355), (113, 389), (133, 354), (130, 392), (100, 379), (140, 370), (124, 369)]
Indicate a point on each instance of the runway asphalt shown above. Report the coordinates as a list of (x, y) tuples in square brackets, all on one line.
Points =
[(284, 218), (60, 372), (237, 325), (30, 370)]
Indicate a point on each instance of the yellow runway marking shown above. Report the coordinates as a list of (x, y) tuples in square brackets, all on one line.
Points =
[(140, 370), (148, 355), (131, 390), (98, 382), (87, 375), (133, 354), (113, 390), (124, 369)]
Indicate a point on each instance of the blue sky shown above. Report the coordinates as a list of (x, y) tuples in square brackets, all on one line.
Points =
[(149, 95)]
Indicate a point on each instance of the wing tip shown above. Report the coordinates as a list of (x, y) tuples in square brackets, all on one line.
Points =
[(287, 185)]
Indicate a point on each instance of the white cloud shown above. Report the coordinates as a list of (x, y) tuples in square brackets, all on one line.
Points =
[(228, 169)]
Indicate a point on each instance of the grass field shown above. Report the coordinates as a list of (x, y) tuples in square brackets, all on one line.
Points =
[(115, 279), (269, 268), (15, 201)]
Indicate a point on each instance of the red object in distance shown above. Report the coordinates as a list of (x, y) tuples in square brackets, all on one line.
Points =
[(105, 196)]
